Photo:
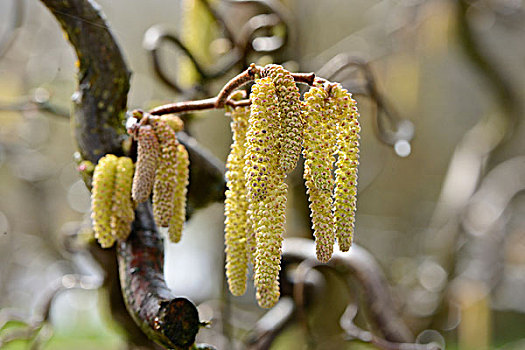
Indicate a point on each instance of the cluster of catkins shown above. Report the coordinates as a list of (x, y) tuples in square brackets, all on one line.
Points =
[(268, 138), (162, 167)]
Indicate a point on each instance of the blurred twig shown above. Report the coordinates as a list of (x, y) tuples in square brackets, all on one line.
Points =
[(497, 80), (248, 41), (271, 325), (399, 129), (357, 265), (33, 104), (360, 265)]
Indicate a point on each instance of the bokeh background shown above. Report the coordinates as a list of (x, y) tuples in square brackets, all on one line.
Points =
[(443, 211)]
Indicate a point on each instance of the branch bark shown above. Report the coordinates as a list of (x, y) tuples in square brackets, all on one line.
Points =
[(103, 78), (99, 109), (170, 321)]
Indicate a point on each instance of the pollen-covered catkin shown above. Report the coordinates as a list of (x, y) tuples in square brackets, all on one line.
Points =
[(318, 152), (123, 212), (179, 201), (147, 159), (236, 206), (102, 199), (270, 237), (290, 116), (165, 179), (266, 189), (345, 196)]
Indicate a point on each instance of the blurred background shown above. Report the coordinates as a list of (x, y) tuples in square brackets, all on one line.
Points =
[(439, 86)]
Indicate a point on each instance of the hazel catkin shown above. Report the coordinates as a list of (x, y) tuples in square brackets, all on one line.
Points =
[(146, 165), (318, 152), (345, 196), (289, 116), (266, 189), (123, 212), (102, 199), (236, 206), (165, 174), (179, 198)]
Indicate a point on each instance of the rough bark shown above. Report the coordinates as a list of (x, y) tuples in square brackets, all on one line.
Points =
[(98, 114)]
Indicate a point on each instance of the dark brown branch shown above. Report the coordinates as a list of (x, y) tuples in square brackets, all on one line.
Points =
[(170, 321), (103, 78), (100, 103), (361, 265)]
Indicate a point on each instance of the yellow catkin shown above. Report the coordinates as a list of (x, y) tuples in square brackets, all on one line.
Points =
[(102, 199), (123, 212), (290, 116), (165, 175), (266, 189), (147, 159), (179, 201), (318, 152), (345, 196), (236, 206)]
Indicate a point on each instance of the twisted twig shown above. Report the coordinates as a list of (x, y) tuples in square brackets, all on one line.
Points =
[(222, 98)]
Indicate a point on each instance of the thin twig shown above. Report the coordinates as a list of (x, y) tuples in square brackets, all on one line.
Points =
[(222, 98), (238, 81)]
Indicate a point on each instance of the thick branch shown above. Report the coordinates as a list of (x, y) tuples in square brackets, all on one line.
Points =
[(100, 103), (103, 78), (170, 321)]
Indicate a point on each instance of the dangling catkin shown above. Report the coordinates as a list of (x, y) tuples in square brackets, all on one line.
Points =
[(165, 175), (290, 116), (147, 159), (318, 152), (102, 199), (123, 212), (179, 199), (266, 189), (236, 206), (345, 197)]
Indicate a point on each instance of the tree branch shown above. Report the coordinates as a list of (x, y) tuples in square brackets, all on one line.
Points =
[(99, 109), (103, 78), (170, 321)]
